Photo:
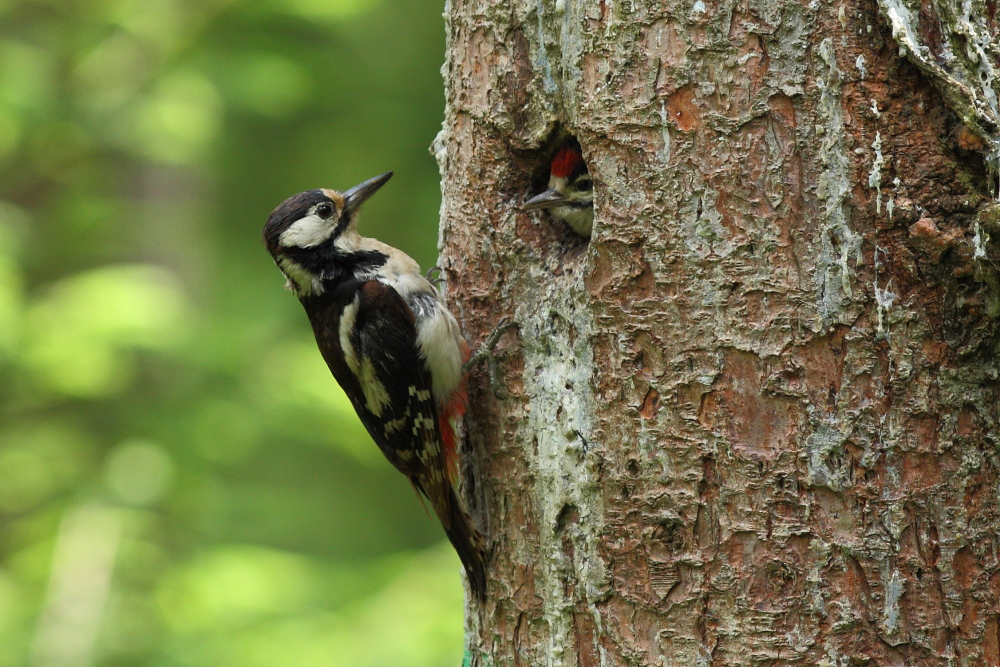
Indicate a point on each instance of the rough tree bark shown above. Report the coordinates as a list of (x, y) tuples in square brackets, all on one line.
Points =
[(754, 420)]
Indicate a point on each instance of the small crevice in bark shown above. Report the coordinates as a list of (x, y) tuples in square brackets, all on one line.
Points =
[(568, 515)]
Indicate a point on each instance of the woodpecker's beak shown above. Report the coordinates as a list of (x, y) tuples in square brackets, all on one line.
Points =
[(356, 196), (547, 199)]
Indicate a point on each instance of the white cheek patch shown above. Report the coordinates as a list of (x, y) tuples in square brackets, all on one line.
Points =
[(580, 219), (310, 231)]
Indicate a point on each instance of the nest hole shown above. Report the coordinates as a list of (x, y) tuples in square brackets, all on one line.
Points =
[(553, 157)]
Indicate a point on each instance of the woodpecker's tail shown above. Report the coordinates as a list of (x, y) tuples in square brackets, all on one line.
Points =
[(458, 525), (468, 542)]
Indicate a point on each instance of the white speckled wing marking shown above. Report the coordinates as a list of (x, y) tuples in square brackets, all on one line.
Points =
[(376, 396), (347, 319)]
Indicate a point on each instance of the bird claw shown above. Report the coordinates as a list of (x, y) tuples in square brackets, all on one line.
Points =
[(435, 281), (485, 353)]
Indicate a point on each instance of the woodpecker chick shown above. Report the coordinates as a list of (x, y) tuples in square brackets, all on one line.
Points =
[(570, 196), (390, 342)]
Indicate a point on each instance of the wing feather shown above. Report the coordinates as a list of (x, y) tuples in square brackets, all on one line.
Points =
[(384, 336)]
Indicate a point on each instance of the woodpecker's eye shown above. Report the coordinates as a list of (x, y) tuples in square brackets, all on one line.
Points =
[(324, 210), (584, 185)]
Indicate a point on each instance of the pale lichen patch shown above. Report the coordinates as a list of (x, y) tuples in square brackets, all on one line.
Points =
[(840, 242), (875, 175), (823, 452), (895, 586), (555, 330), (884, 298), (979, 241)]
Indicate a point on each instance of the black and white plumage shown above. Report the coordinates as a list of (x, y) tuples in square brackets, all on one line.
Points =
[(389, 340)]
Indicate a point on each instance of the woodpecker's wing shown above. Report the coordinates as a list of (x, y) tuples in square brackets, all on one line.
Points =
[(399, 410)]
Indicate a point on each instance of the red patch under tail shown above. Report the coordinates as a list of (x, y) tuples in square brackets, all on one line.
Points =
[(453, 409)]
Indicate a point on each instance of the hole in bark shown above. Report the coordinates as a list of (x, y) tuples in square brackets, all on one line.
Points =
[(671, 535), (569, 514), (633, 468), (560, 172), (469, 480)]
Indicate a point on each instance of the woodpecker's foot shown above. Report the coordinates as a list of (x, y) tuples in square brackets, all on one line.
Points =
[(440, 277), (485, 353)]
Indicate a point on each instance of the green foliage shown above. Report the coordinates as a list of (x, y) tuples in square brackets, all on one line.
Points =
[(181, 480)]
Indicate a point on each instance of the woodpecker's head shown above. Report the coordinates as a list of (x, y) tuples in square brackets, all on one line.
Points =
[(570, 196), (313, 237)]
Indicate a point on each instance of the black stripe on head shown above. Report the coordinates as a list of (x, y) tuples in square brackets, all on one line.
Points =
[(292, 209), (579, 169)]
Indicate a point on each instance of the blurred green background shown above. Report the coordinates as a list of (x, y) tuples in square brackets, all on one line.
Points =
[(181, 480)]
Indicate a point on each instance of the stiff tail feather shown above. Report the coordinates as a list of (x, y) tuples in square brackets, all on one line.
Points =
[(458, 525), (469, 544)]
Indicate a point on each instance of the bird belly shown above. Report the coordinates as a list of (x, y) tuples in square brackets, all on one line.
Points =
[(579, 218), (443, 348)]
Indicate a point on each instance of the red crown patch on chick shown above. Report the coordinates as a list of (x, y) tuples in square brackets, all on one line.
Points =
[(565, 162)]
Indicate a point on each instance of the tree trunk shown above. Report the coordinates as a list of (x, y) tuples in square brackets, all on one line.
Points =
[(753, 420)]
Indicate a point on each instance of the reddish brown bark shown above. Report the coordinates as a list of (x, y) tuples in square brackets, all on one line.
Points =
[(754, 420)]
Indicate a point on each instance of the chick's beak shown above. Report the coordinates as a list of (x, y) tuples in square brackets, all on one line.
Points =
[(356, 196), (547, 199)]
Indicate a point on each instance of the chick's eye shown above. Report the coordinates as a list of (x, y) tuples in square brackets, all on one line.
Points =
[(324, 210), (584, 185)]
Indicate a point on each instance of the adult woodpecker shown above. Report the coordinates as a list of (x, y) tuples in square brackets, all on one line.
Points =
[(389, 341), (570, 196)]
